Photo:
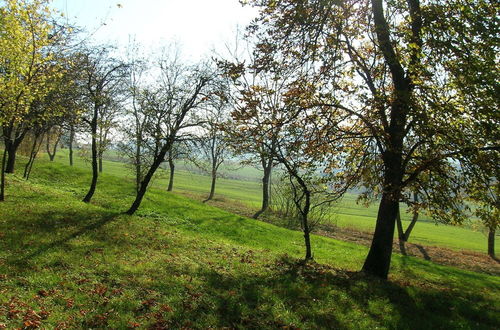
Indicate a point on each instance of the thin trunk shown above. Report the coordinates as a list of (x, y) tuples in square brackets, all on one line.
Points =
[(100, 162), (2, 179), (147, 178), (138, 165), (305, 224), (52, 153), (401, 234), (212, 187), (71, 139), (266, 186), (95, 172), (491, 242), (172, 171), (34, 157), (413, 220)]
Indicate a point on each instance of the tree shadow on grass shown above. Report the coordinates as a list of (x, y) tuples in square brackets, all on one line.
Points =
[(52, 226), (319, 296)]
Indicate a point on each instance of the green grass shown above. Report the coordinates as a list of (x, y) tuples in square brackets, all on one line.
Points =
[(346, 214), (180, 263)]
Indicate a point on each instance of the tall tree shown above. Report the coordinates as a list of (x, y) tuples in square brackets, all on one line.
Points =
[(211, 148), (26, 53), (406, 120), (171, 105), (101, 82)]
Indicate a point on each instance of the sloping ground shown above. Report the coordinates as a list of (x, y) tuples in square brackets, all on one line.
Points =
[(180, 263), (463, 259)]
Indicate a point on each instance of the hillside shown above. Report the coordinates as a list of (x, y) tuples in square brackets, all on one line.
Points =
[(181, 263)]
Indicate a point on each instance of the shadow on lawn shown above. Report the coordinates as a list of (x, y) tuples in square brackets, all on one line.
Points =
[(68, 227), (353, 300)]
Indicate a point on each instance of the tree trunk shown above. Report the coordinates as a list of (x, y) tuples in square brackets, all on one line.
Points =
[(95, 172), (378, 261), (172, 171), (138, 165), (401, 234), (212, 187), (11, 149), (2, 179), (147, 178), (33, 158), (491, 242), (33, 153), (71, 139), (266, 186), (100, 162), (413, 220)]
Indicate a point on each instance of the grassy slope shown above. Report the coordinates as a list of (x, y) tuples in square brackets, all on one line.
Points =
[(182, 263), (347, 213)]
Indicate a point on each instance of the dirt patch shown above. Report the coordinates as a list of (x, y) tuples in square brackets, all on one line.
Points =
[(463, 259)]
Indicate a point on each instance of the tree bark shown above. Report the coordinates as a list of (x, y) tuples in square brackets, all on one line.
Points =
[(100, 162), (305, 224), (52, 153), (171, 164), (266, 187), (11, 145), (95, 172), (147, 178), (401, 234), (2, 179), (11, 159), (491, 242), (378, 261), (212, 187), (71, 139), (34, 151)]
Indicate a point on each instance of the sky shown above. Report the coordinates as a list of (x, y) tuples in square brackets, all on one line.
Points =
[(198, 26)]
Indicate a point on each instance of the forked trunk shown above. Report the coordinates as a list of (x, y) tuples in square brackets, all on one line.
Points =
[(147, 178)]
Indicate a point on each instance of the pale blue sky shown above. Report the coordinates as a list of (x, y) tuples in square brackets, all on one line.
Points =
[(197, 25)]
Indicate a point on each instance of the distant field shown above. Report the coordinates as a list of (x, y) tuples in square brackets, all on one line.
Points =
[(347, 213)]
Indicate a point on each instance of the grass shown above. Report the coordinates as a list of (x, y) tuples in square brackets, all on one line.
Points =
[(346, 214), (180, 263)]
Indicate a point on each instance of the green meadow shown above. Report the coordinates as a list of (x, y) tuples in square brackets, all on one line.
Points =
[(247, 191), (179, 263)]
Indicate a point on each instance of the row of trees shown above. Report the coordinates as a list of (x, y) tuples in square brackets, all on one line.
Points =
[(396, 98)]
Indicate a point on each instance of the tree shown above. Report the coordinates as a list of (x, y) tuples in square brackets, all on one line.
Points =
[(179, 149), (257, 105), (101, 82), (408, 125), (26, 53), (211, 149), (171, 105)]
